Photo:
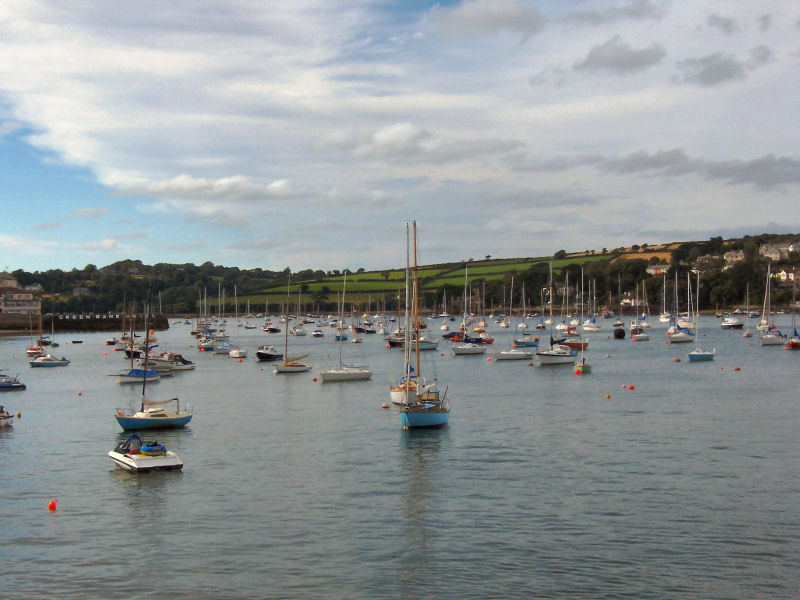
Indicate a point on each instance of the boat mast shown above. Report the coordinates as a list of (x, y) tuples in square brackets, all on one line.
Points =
[(416, 306), (146, 343), (286, 329), (407, 329)]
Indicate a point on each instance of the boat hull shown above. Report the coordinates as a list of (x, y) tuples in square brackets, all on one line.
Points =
[(514, 354), (131, 423), (141, 463), (701, 356), (415, 417), (292, 368), (346, 374)]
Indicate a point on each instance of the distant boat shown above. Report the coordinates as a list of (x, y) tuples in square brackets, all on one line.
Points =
[(49, 361), (10, 383), (6, 418), (698, 354), (343, 372), (289, 364)]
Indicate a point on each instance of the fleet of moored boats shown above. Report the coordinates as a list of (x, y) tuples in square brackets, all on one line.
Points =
[(420, 401)]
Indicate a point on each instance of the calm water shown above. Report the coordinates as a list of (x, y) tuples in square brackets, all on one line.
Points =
[(540, 486)]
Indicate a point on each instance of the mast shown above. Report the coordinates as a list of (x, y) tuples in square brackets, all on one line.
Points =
[(146, 343), (406, 329), (286, 329), (416, 306)]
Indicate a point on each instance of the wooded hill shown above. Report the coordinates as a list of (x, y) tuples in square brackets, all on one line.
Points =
[(611, 271)]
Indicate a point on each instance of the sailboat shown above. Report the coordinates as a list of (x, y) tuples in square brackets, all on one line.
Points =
[(343, 372), (514, 353), (583, 367), (237, 351), (467, 345), (675, 332), (556, 354), (425, 407), (794, 339), (770, 335), (698, 354), (151, 414), (290, 364), (409, 385)]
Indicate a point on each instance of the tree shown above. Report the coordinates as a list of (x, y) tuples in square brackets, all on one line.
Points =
[(560, 255)]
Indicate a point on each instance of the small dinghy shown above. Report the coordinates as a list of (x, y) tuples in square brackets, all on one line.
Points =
[(140, 457)]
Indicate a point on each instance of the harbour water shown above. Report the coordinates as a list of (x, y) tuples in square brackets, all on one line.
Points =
[(685, 483)]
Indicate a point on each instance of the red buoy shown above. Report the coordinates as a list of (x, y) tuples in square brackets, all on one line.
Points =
[(631, 387), (385, 405), (314, 379), (52, 506), (577, 371)]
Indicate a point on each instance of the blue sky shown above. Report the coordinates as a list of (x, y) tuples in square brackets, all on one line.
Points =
[(306, 134)]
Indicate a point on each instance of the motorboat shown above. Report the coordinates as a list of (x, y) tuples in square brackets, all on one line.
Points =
[(527, 340), (731, 322), (638, 334), (48, 360), (153, 416), (237, 352), (268, 352), (174, 360), (317, 333), (10, 383), (140, 456)]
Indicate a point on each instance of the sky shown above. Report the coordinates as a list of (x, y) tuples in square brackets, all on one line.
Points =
[(306, 134)]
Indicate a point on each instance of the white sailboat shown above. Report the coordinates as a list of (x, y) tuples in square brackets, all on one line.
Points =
[(343, 372), (556, 354), (513, 353), (698, 354)]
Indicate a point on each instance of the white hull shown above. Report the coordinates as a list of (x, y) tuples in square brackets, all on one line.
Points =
[(139, 463), (459, 349), (558, 355), (238, 353), (346, 374), (292, 368), (772, 340), (513, 354)]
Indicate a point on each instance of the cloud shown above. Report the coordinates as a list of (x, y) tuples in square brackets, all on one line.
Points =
[(237, 187), (9, 127), (719, 68), (618, 57), (91, 213), (712, 69), (766, 172), (410, 143), (107, 244), (489, 17), (764, 22), (51, 225), (724, 24), (635, 9)]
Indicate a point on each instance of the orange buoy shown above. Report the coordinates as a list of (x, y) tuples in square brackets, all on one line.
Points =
[(80, 393), (385, 405), (677, 360), (52, 506), (737, 368), (608, 396), (530, 364), (19, 415)]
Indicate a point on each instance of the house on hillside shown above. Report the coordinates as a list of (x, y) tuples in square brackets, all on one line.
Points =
[(732, 258), (657, 269), (16, 300), (777, 251)]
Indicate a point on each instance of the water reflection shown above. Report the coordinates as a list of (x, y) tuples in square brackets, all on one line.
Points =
[(420, 463)]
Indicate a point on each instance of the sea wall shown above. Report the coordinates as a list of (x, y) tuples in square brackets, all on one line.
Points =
[(79, 322)]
